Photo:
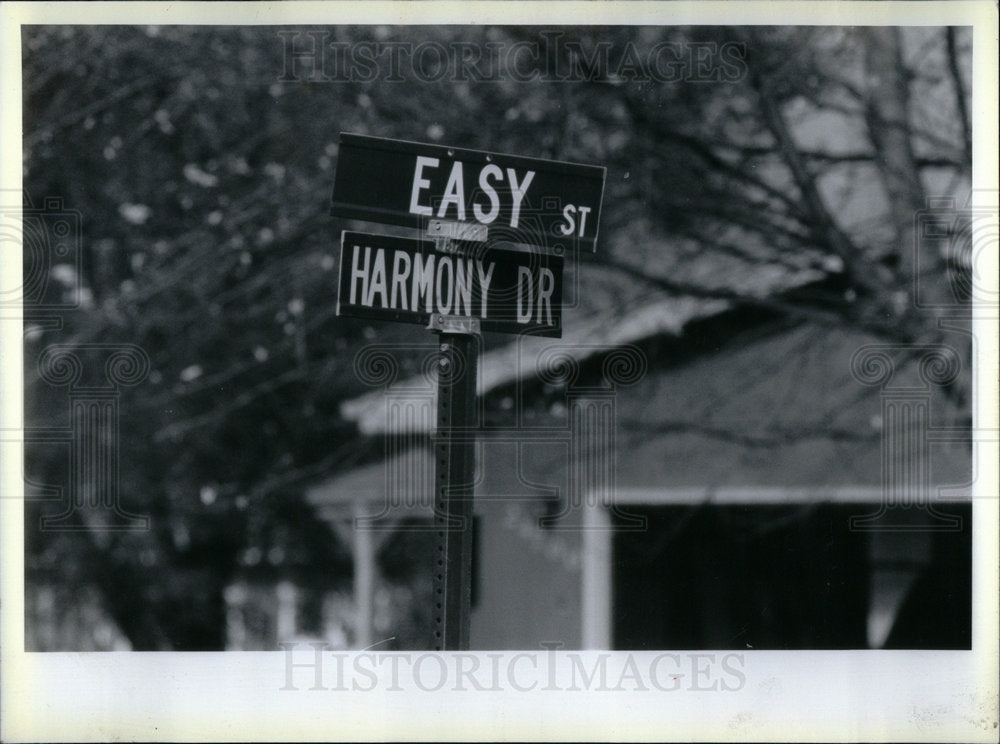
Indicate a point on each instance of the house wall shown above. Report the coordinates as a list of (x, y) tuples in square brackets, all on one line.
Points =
[(527, 576), (529, 582)]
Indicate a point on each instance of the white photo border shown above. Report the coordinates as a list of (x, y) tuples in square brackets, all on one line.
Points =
[(801, 696)]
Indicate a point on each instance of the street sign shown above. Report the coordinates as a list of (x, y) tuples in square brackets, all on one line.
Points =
[(407, 280), (456, 282), (520, 200)]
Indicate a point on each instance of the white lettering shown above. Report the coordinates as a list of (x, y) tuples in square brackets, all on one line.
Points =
[(399, 276), (517, 192), (484, 285), (545, 294), (423, 276), (357, 272), (378, 280), (454, 192), (419, 184), (463, 286), (524, 280), (490, 171), (443, 307), (570, 225)]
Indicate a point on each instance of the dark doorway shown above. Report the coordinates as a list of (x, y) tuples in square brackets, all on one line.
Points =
[(774, 577)]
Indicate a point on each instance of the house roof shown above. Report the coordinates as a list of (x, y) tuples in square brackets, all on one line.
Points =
[(523, 357), (777, 410)]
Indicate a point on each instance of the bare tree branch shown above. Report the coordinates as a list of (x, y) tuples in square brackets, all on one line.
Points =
[(960, 95), (861, 270)]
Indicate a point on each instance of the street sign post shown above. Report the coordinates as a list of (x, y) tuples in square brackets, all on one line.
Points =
[(454, 482), (536, 202), (456, 282)]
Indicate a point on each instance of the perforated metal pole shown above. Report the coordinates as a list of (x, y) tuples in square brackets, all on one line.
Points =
[(454, 464)]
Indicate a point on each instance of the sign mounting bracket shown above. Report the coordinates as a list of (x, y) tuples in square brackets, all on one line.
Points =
[(447, 235), (453, 324)]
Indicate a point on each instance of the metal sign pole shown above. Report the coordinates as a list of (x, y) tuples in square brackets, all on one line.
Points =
[(454, 464)]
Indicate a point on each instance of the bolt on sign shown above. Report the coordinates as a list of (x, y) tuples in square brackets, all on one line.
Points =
[(545, 203), (406, 280)]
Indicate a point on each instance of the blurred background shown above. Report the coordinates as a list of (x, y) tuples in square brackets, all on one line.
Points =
[(773, 329)]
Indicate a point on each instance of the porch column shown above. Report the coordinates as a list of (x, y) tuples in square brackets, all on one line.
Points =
[(596, 585), (364, 579)]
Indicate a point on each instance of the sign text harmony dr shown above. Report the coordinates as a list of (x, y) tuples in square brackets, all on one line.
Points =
[(401, 279), (520, 200)]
